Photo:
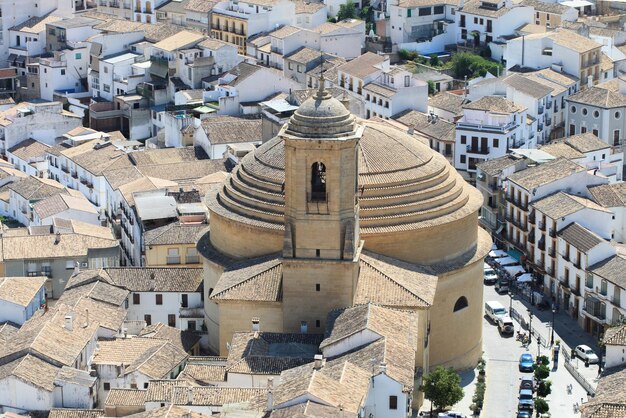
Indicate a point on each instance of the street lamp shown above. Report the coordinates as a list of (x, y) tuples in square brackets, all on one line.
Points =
[(552, 335), (530, 326), (510, 301), (538, 348)]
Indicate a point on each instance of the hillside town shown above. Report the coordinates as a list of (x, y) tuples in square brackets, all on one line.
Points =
[(312, 208)]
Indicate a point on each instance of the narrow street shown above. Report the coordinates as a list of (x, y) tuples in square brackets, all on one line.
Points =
[(502, 356)]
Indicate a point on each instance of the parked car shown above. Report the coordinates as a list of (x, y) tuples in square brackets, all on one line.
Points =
[(502, 285), (524, 414), (526, 362), (489, 274), (505, 325), (452, 414), (584, 352), (527, 382), (526, 401), (494, 310)]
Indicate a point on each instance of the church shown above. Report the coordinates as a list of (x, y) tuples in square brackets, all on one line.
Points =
[(334, 212)]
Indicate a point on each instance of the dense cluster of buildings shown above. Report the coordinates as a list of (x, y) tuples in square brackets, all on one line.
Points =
[(254, 209)]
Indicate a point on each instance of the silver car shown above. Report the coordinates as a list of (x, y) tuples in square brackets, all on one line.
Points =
[(584, 352)]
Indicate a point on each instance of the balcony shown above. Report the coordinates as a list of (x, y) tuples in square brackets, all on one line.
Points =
[(576, 264), (172, 260), (542, 226), (597, 313), (540, 127), (531, 237), (542, 245), (541, 110), (575, 291), (74, 174), (42, 273), (185, 312), (531, 218), (192, 259), (616, 301), (552, 233), (552, 252), (487, 128), (517, 202), (548, 122), (477, 150), (65, 169), (565, 257)]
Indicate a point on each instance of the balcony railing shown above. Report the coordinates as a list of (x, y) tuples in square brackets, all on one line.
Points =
[(615, 301), (477, 150), (531, 218), (173, 259), (548, 122), (541, 109), (542, 226), (552, 233), (192, 259), (65, 169), (492, 128), (595, 312), (517, 202), (552, 252)]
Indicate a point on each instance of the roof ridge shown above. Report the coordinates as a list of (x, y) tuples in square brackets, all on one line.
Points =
[(236, 285), (389, 278)]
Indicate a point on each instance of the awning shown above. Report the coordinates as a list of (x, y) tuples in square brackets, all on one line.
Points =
[(497, 253), (525, 278), (516, 254), (12, 58), (506, 261), (515, 269), (576, 3)]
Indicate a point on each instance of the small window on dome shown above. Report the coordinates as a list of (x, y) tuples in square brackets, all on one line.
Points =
[(318, 182)]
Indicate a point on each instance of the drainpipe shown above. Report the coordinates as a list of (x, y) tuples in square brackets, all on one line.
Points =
[(523, 41)]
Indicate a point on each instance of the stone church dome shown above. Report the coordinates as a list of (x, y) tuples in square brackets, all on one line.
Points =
[(321, 116), (405, 190)]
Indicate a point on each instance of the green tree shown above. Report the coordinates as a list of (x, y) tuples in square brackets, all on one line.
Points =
[(432, 89), (541, 372), (541, 406), (434, 60), (544, 388), (442, 387), (346, 11), (543, 360), (472, 65)]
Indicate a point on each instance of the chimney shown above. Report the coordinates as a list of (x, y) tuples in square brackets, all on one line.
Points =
[(76, 267), (382, 368), (256, 324), (270, 393), (69, 322), (190, 396), (57, 238), (341, 406), (152, 281), (318, 361), (86, 318), (411, 128)]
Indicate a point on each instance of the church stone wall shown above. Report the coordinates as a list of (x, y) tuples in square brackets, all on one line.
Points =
[(241, 240)]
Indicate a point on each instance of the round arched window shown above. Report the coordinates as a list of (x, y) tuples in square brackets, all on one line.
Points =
[(584, 111), (573, 109), (617, 115), (461, 303), (596, 114)]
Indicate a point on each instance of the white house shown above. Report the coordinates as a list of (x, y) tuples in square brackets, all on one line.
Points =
[(613, 197), (65, 206), (562, 50), (489, 128), (28, 40), (25, 192), (481, 22), (380, 89), (65, 72), (162, 295), (30, 157), (309, 14), (422, 26), (615, 346), (604, 304), (126, 363), (20, 298), (43, 122), (215, 134)]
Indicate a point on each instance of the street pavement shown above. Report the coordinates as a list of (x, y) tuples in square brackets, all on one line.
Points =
[(502, 356)]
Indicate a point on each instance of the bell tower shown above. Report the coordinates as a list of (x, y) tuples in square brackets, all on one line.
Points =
[(321, 245)]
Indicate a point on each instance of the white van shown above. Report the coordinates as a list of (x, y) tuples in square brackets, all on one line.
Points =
[(494, 310)]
